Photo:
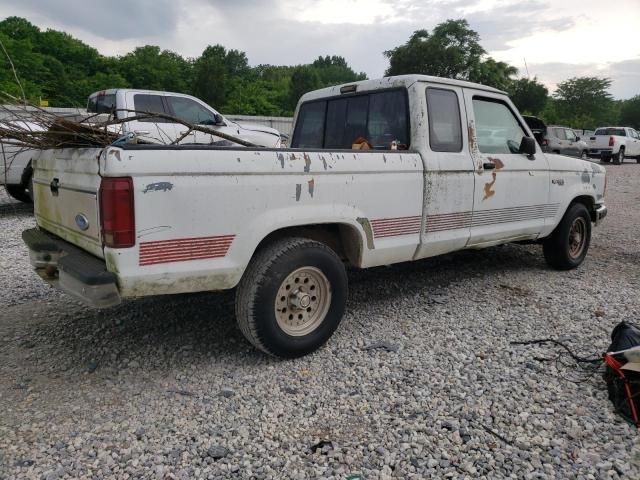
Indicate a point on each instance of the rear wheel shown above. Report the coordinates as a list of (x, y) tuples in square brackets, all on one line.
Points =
[(567, 246), (605, 159), (584, 155), (618, 158), (19, 193), (292, 297)]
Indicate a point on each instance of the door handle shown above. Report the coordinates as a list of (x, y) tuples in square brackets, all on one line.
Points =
[(192, 132), (141, 132), (489, 165)]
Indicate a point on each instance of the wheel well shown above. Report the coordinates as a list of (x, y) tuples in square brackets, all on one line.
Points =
[(344, 239), (588, 202)]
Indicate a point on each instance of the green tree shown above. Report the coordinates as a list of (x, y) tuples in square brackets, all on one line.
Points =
[(630, 112), (334, 70), (530, 96), (304, 79), (494, 74), (585, 102), (149, 67), (452, 50)]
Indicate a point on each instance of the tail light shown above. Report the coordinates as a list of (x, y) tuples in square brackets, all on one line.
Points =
[(611, 141), (117, 212)]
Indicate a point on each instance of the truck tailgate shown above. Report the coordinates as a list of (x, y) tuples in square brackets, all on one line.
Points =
[(65, 188)]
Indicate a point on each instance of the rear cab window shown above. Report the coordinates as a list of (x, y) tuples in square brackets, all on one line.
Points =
[(102, 103), (381, 118), (497, 128), (611, 131)]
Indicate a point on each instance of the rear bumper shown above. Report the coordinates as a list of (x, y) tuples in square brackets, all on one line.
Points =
[(596, 152), (74, 271), (599, 214)]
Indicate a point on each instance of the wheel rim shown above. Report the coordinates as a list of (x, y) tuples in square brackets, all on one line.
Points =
[(577, 237), (302, 301)]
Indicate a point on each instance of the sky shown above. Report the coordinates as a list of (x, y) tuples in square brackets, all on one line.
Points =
[(552, 40)]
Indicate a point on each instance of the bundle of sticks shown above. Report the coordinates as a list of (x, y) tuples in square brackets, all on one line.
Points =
[(28, 126)]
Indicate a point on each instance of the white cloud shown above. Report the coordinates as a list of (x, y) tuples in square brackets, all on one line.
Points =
[(558, 39)]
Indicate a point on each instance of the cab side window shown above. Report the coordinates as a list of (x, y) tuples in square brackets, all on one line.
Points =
[(191, 112), (497, 128), (570, 135), (445, 126), (145, 103)]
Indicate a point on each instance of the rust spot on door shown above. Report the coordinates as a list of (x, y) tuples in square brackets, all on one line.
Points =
[(488, 187)]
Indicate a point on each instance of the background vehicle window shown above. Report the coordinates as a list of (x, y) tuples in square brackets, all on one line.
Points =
[(498, 130), (102, 104), (309, 132), (611, 131), (143, 102), (445, 129), (559, 133), (190, 111), (570, 135)]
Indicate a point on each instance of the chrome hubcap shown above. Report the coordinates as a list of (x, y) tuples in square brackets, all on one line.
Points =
[(302, 301), (577, 237)]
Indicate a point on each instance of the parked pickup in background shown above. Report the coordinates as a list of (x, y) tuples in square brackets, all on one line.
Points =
[(615, 143), (380, 171), (127, 102)]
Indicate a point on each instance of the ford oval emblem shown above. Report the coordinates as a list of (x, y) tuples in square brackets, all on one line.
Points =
[(82, 221)]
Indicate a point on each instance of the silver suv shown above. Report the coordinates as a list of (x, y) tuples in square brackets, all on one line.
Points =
[(563, 140)]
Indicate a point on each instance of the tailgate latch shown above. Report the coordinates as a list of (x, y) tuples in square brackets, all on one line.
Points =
[(54, 185)]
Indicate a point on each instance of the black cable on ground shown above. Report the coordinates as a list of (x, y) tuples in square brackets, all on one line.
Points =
[(578, 359)]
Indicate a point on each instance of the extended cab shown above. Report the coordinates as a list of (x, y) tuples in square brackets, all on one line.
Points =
[(616, 143), (127, 103), (381, 171)]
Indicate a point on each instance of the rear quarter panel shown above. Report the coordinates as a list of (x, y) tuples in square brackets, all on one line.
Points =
[(221, 203)]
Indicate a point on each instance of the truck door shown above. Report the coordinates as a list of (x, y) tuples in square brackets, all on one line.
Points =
[(511, 199), (448, 171), (573, 148), (635, 143), (155, 129)]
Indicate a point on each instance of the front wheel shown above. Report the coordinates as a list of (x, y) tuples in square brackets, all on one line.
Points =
[(292, 297), (567, 246), (584, 155)]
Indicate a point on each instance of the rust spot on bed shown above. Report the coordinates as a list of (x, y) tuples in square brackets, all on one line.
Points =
[(307, 162), (311, 184)]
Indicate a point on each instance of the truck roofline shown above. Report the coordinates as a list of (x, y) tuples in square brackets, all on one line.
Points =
[(402, 81)]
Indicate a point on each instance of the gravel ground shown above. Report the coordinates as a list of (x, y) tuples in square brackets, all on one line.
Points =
[(168, 388)]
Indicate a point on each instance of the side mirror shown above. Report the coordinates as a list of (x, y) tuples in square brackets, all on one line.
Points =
[(577, 139), (219, 119), (528, 146)]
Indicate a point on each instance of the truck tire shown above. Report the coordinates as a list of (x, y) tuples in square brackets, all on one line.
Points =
[(618, 158), (291, 297), (568, 244), (605, 159), (19, 193)]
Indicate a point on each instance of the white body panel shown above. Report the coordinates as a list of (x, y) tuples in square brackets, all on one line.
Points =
[(201, 212)]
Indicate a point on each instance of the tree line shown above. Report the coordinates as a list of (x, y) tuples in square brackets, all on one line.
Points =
[(53, 65)]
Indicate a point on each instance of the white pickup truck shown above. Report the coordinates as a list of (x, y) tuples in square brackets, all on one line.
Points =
[(127, 102), (381, 171), (615, 143)]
